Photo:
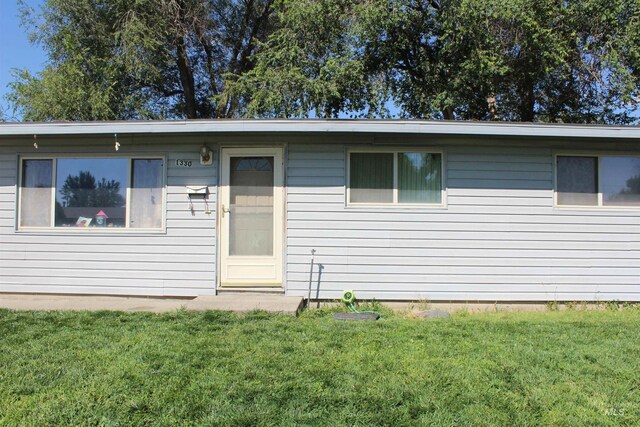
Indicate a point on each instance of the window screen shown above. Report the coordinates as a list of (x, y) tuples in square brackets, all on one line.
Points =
[(577, 181)]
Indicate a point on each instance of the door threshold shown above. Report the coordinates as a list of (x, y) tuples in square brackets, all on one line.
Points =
[(251, 290)]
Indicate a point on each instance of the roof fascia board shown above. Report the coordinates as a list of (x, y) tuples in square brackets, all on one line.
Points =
[(321, 126)]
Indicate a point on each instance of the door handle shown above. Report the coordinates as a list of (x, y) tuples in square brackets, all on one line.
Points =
[(225, 210)]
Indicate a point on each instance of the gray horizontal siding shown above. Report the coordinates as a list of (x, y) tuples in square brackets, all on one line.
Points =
[(178, 262), (499, 238)]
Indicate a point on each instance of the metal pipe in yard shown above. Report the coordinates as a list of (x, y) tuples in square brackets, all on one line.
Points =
[(313, 252)]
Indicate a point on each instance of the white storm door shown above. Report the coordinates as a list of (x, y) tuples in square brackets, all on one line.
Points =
[(251, 217)]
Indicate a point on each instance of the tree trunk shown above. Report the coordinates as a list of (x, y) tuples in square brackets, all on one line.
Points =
[(447, 113), (252, 30), (492, 107), (186, 79), (527, 102)]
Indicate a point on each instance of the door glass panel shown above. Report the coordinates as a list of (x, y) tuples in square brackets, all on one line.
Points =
[(251, 206)]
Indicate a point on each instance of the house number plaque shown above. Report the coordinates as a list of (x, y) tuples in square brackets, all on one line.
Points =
[(184, 163)]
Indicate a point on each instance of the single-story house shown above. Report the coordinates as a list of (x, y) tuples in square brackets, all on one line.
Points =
[(392, 209)]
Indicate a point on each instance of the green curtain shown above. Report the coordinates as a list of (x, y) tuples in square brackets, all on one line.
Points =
[(419, 178), (371, 177)]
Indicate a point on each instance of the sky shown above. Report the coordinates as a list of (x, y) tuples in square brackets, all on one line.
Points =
[(15, 49)]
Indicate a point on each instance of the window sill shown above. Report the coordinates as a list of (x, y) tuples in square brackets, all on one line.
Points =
[(630, 209), (92, 231), (395, 207)]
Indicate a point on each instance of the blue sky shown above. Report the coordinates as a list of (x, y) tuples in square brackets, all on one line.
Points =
[(15, 49)]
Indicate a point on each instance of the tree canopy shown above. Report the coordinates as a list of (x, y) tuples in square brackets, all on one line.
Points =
[(520, 60), (121, 59)]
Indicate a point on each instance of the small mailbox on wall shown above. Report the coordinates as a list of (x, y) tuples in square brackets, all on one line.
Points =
[(200, 191)]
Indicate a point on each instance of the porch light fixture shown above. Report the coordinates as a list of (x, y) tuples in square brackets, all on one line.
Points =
[(206, 155)]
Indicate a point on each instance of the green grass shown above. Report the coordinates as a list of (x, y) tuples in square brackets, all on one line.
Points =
[(214, 368)]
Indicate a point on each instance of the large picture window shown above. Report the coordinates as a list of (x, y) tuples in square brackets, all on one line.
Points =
[(92, 192), (395, 178), (608, 181)]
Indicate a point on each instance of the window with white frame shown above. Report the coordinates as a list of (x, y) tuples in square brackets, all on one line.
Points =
[(404, 177), (598, 181), (91, 192)]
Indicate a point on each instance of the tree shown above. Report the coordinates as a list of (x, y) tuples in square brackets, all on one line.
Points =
[(82, 190), (527, 60), (119, 59), (598, 79), (518, 60), (310, 65), (523, 60)]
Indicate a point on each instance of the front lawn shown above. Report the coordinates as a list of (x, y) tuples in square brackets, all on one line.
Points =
[(119, 369)]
